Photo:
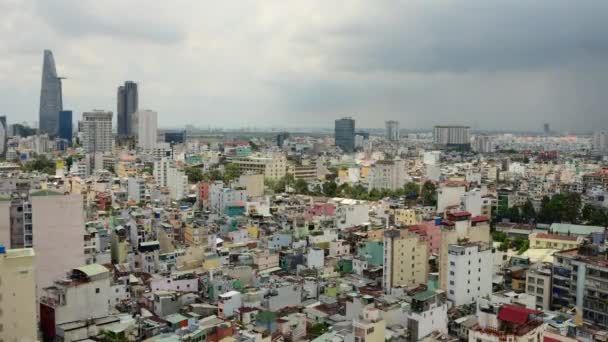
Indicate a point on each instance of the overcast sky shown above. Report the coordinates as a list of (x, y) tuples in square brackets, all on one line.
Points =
[(491, 64)]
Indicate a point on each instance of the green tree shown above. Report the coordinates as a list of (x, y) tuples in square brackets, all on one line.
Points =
[(40, 164), (300, 186), (514, 214), (428, 193), (499, 236), (330, 188), (194, 174), (528, 213), (411, 190), (318, 330), (231, 172)]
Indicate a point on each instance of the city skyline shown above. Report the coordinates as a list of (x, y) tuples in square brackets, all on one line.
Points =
[(435, 71)]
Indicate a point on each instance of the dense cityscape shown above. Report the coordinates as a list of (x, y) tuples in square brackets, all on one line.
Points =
[(114, 228)]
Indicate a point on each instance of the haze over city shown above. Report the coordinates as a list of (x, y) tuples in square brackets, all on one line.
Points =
[(303, 171), (491, 65)]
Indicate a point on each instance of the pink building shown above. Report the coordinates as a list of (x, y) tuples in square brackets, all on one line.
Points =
[(322, 209), (431, 231)]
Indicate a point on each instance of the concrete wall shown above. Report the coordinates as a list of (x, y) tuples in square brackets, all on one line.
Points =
[(58, 225)]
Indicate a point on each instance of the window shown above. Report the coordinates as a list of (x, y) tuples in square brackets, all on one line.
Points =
[(97, 290), (451, 282), (452, 263), (451, 272), (451, 291)]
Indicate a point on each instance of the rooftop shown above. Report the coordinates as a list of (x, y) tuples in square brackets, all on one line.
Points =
[(92, 269)]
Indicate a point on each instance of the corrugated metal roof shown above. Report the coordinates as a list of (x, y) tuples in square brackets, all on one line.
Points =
[(92, 269)]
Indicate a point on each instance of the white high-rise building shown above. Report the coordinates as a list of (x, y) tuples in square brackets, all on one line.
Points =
[(177, 182), (97, 131), (392, 130), (388, 174), (483, 144), (452, 136), (136, 189), (470, 272), (147, 129), (161, 169), (600, 141), (166, 174)]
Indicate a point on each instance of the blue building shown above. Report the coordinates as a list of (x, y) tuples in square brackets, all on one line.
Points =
[(65, 125), (345, 134), (175, 137)]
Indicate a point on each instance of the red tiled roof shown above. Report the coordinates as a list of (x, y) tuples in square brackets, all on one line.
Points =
[(480, 218), (515, 313), (550, 339), (556, 237), (460, 214)]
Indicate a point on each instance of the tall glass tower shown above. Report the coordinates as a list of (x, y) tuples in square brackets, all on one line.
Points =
[(126, 104), (51, 102), (345, 134)]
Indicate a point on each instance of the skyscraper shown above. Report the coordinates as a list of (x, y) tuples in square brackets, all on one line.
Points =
[(51, 102), (392, 130), (97, 131), (345, 134), (147, 130), (3, 136), (65, 125), (127, 103)]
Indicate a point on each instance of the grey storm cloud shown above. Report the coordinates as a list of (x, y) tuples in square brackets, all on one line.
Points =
[(84, 18), (490, 64), (464, 36)]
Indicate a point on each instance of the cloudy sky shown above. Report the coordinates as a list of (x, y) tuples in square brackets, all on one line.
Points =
[(510, 64)]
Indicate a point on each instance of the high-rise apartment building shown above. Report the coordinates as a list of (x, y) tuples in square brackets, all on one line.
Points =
[(392, 130), (51, 101), (65, 125), (459, 226), (483, 144), (388, 174), (147, 129), (452, 136), (470, 272), (20, 219), (406, 256), (127, 103), (97, 131), (600, 141), (18, 300), (345, 134), (580, 279)]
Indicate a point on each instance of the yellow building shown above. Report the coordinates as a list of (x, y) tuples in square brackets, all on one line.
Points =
[(369, 327), (553, 241), (365, 169), (406, 259), (211, 261), (406, 217), (18, 291), (195, 236), (253, 232), (375, 234)]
